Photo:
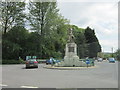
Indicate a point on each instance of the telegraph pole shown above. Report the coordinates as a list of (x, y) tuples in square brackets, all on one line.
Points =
[(112, 51)]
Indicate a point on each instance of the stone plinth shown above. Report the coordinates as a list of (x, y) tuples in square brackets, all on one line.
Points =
[(71, 59)]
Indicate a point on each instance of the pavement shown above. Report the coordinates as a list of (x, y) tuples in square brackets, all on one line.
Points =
[(105, 75)]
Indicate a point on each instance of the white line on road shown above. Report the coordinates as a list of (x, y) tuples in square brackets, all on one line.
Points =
[(28, 87), (3, 85)]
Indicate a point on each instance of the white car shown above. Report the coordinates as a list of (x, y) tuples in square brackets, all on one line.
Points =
[(100, 59)]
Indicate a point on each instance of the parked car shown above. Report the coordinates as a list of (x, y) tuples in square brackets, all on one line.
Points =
[(105, 59), (31, 63), (87, 61), (48, 62), (100, 59), (111, 60), (52, 61)]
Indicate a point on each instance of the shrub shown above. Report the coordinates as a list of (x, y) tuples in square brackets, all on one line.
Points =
[(12, 61)]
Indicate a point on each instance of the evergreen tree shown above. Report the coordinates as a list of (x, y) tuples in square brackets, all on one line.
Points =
[(92, 42)]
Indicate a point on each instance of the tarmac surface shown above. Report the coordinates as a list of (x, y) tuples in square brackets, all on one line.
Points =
[(104, 75)]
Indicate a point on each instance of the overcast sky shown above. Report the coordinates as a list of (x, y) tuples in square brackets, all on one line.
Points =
[(99, 15)]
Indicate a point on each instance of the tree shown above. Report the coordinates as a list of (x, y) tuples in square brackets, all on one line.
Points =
[(12, 15), (92, 42), (41, 14), (90, 35), (80, 41), (38, 12), (10, 50), (118, 54), (50, 25), (32, 45), (14, 42)]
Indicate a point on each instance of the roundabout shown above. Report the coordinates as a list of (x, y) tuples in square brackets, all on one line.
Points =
[(69, 68), (71, 60)]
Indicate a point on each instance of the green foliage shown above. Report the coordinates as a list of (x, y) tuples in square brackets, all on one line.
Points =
[(10, 50), (13, 42), (90, 35), (12, 14), (107, 55), (80, 41), (18, 42), (45, 20), (86, 46), (21, 61), (49, 36), (0, 61), (87, 42), (32, 48), (12, 62), (118, 54), (93, 49), (92, 42)]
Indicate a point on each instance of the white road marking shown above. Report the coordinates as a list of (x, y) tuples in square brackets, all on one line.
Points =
[(28, 87), (3, 85)]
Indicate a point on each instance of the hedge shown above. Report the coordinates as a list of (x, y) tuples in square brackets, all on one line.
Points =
[(13, 61)]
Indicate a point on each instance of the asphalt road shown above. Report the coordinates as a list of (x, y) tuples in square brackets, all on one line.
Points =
[(105, 75)]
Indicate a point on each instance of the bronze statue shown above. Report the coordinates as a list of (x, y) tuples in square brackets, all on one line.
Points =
[(70, 35)]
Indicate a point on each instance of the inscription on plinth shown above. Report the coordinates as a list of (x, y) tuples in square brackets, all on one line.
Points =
[(70, 49)]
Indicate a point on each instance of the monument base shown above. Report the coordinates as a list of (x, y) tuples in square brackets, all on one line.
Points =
[(69, 68), (70, 64), (71, 59)]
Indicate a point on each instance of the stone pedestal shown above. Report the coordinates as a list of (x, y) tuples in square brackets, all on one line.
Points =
[(71, 59)]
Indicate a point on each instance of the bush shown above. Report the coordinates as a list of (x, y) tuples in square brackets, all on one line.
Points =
[(21, 61), (0, 62), (57, 55), (12, 61)]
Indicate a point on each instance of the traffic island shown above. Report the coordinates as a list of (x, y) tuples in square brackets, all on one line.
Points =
[(68, 68)]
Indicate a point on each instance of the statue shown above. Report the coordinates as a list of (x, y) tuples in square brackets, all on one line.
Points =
[(70, 36)]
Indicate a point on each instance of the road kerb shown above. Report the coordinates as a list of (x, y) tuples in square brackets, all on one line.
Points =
[(69, 68), (3, 85), (28, 87)]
